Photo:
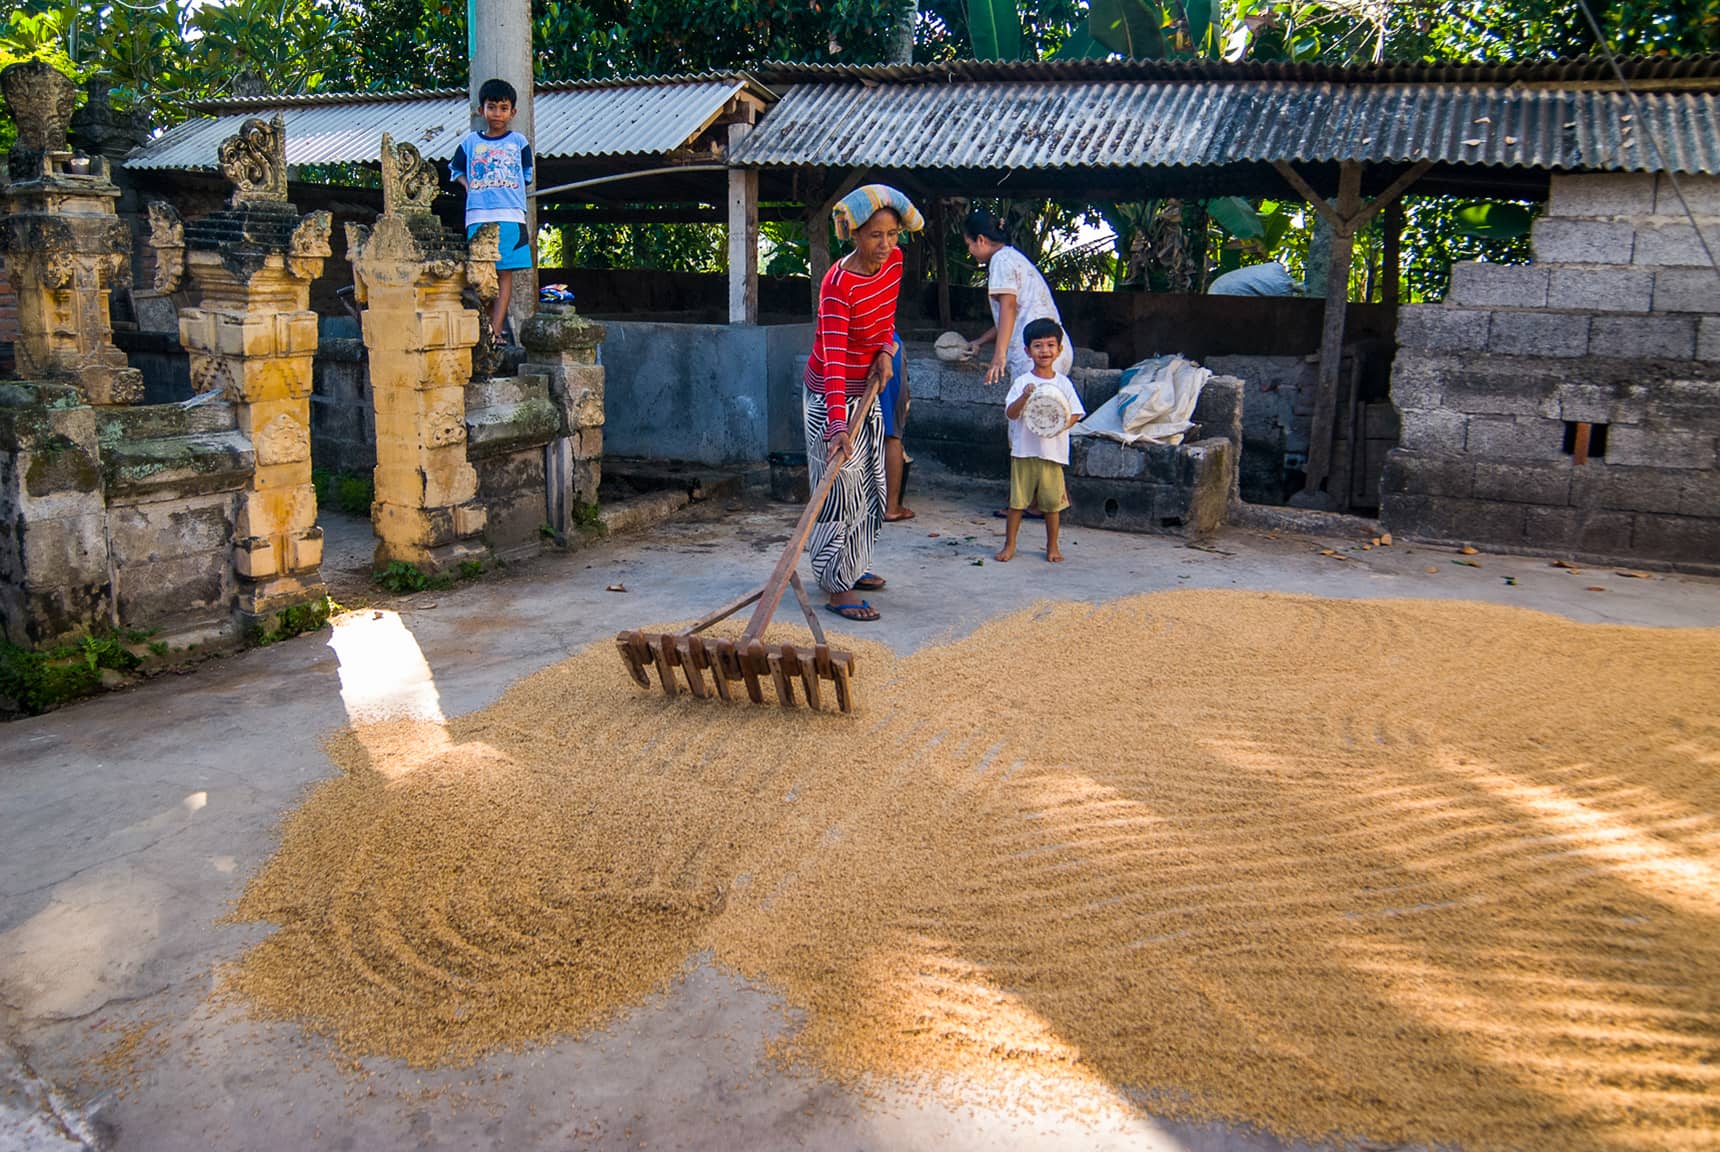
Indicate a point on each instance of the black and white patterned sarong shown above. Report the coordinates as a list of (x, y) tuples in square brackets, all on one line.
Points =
[(848, 524)]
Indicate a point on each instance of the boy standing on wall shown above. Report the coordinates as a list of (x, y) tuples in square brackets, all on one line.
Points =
[(1036, 462), (494, 167)]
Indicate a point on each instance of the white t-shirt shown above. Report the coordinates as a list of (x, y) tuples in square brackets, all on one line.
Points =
[(1024, 443), (1009, 273)]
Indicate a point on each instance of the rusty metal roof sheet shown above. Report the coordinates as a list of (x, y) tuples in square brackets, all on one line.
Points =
[(1640, 71), (1111, 123), (634, 118)]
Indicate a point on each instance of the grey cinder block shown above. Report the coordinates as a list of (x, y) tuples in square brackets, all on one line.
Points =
[(1428, 474), (1643, 337), (1434, 430), (1546, 482), (1601, 194), (1708, 338), (1557, 241), (1660, 447), (1516, 438), (1482, 392), (1621, 487), (1672, 243), (1553, 334), (1600, 289), (1701, 192), (1689, 539), (1442, 328), (1687, 290), (1508, 285)]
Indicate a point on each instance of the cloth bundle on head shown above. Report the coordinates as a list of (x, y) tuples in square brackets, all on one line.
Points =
[(854, 209)]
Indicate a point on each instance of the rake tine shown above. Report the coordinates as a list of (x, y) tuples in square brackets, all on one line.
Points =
[(692, 660), (666, 664), (723, 652), (779, 674), (642, 655), (751, 660), (629, 657), (844, 694), (809, 680)]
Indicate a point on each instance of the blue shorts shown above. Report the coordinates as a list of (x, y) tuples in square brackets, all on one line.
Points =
[(516, 253), (888, 397)]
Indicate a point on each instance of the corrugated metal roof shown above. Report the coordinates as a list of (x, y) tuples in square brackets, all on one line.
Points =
[(1641, 71), (1094, 124), (632, 119)]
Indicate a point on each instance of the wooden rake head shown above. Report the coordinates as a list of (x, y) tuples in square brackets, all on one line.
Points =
[(750, 662), (749, 659)]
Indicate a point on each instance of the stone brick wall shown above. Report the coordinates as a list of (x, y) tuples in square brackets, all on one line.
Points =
[(1616, 325)]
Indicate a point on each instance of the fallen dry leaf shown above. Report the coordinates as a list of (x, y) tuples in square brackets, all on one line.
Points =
[(1466, 550), (616, 588)]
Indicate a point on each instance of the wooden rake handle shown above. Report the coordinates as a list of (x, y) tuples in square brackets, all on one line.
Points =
[(771, 595)]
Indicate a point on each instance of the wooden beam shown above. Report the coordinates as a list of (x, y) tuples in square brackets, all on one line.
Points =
[(1391, 253), (1306, 191), (1313, 494), (743, 236), (1393, 190)]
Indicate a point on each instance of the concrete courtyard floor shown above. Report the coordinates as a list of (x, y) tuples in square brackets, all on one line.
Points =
[(130, 824)]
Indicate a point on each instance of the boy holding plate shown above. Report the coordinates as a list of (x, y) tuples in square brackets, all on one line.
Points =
[(1042, 406)]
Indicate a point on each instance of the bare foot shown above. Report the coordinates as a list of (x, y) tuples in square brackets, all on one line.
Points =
[(1005, 554), (902, 513), (1054, 555)]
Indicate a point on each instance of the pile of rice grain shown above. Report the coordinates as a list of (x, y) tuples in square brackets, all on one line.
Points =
[(1405, 871)]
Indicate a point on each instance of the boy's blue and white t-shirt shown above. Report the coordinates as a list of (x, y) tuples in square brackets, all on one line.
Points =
[(497, 171)]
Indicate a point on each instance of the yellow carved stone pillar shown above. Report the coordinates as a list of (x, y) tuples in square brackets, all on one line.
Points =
[(253, 336), (63, 245), (410, 273)]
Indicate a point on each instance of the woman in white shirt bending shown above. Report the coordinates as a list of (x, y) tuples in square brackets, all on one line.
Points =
[(1018, 294)]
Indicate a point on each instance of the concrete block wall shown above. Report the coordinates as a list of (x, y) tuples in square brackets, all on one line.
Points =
[(1616, 324), (957, 419), (1171, 489)]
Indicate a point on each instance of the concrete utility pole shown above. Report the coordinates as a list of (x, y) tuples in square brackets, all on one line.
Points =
[(499, 43)]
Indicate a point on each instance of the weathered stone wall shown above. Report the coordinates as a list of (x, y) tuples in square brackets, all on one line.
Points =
[(173, 478), (1616, 325)]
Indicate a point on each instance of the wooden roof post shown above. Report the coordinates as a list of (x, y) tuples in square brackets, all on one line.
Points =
[(1347, 217), (743, 236)]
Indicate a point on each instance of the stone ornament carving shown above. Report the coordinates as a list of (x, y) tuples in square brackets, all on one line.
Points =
[(255, 160), (41, 101), (283, 440), (167, 237), (308, 247), (409, 183)]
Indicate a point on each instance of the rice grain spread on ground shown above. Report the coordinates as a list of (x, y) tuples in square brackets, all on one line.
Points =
[(1398, 870)]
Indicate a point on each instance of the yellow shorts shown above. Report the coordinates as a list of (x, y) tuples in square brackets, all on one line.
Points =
[(1036, 483)]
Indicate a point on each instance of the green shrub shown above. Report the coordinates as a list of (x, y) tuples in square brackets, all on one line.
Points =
[(401, 578), (37, 680)]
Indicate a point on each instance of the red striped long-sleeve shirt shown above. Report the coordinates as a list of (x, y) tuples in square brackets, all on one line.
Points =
[(856, 316)]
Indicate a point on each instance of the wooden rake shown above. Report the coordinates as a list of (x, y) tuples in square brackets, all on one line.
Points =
[(748, 659)]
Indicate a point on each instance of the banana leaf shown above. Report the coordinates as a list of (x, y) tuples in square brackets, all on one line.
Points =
[(1081, 46), (1487, 220), (995, 27), (1134, 28), (1204, 17), (1237, 217)]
